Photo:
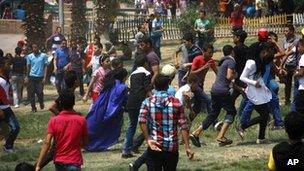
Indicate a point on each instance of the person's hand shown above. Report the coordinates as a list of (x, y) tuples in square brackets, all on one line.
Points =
[(176, 65), (154, 145), (189, 95), (189, 153), (37, 168), (258, 85), (25, 80), (282, 72), (85, 98)]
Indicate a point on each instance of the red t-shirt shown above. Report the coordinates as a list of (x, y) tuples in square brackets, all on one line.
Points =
[(198, 62), (68, 129)]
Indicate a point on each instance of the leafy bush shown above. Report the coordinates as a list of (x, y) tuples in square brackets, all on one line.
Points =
[(187, 19)]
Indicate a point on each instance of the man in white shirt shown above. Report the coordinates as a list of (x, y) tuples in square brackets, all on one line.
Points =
[(299, 99), (6, 113)]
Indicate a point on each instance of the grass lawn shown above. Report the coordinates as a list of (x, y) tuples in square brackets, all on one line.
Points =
[(238, 156)]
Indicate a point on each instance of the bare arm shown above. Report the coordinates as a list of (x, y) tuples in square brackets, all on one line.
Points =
[(53, 109), (44, 150), (230, 74), (155, 70), (85, 97), (200, 69)]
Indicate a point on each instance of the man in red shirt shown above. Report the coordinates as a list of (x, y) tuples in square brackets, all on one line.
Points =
[(69, 130)]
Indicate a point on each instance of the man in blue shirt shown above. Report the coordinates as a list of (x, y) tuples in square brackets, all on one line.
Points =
[(61, 61), (36, 63)]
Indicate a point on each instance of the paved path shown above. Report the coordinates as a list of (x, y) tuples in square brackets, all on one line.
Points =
[(8, 42)]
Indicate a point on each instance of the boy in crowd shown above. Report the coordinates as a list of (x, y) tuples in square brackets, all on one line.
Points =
[(6, 113), (221, 98), (37, 73), (186, 94), (284, 155), (68, 143), (160, 131), (140, 88)]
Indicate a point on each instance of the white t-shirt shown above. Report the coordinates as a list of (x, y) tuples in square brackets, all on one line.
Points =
[(5, 85), (179, 94), (95, 63), (257, 96), (301, 79)]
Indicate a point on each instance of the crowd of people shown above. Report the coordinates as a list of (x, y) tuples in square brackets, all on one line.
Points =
[(150, 99), (250, 8)]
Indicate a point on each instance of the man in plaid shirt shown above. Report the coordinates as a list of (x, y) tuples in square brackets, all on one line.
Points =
[(160, 116)]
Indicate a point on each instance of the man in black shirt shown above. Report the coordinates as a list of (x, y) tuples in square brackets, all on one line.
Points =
[(18, 71), (240, 50)]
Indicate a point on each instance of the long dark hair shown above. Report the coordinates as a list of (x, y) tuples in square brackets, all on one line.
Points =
[(254, 54), (116, 74)]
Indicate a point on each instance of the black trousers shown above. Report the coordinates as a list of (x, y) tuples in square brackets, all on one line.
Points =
[(288, 82), (161, 160), (263, 110)]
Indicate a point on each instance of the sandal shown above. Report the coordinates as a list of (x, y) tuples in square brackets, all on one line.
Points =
[(224, 142)]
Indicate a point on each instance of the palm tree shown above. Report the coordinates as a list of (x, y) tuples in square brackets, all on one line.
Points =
[(78, 27), (106, 12), (34, 23)]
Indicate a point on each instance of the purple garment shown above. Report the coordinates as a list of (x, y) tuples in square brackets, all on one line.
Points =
[(104, 121)]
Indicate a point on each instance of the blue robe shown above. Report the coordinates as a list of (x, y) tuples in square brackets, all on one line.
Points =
[(104, 121)]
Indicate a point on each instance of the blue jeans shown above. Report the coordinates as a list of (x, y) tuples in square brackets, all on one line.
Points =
[(60, 84), (275, 109), (181, 74), (132, 124), (67, 167), (220, 101), (201, 99), (13, 123), (274, 105), (295, 94)]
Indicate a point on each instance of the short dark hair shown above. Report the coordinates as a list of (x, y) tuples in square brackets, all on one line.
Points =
[(147, 40), (161, 83), (24, 167), (271, 33), (70, 78), (18, 51), (116, 62), (103, 57), (227, 50), (98, 44), (189, 37), (139, 26), (203, 11), (294, 125), (66, 100), (290, 27), (241, 34), (192, 78), (207, 46), (141, 60)]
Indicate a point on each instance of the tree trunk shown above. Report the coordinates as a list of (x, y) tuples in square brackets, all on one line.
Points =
[(34, 23), (79, 24), (106, 12)]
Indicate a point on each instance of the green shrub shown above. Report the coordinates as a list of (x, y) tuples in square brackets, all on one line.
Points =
[(187, 19)]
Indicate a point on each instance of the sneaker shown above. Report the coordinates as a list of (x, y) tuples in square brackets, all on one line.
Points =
[(195, 140), (218, 125), (16, 106), (262, 141), (127, 155), (131, 167), (7, 150), (274, 128), (240, 131), (41, 106)]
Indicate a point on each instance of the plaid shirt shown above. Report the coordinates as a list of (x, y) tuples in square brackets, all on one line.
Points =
[(163, 114)]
